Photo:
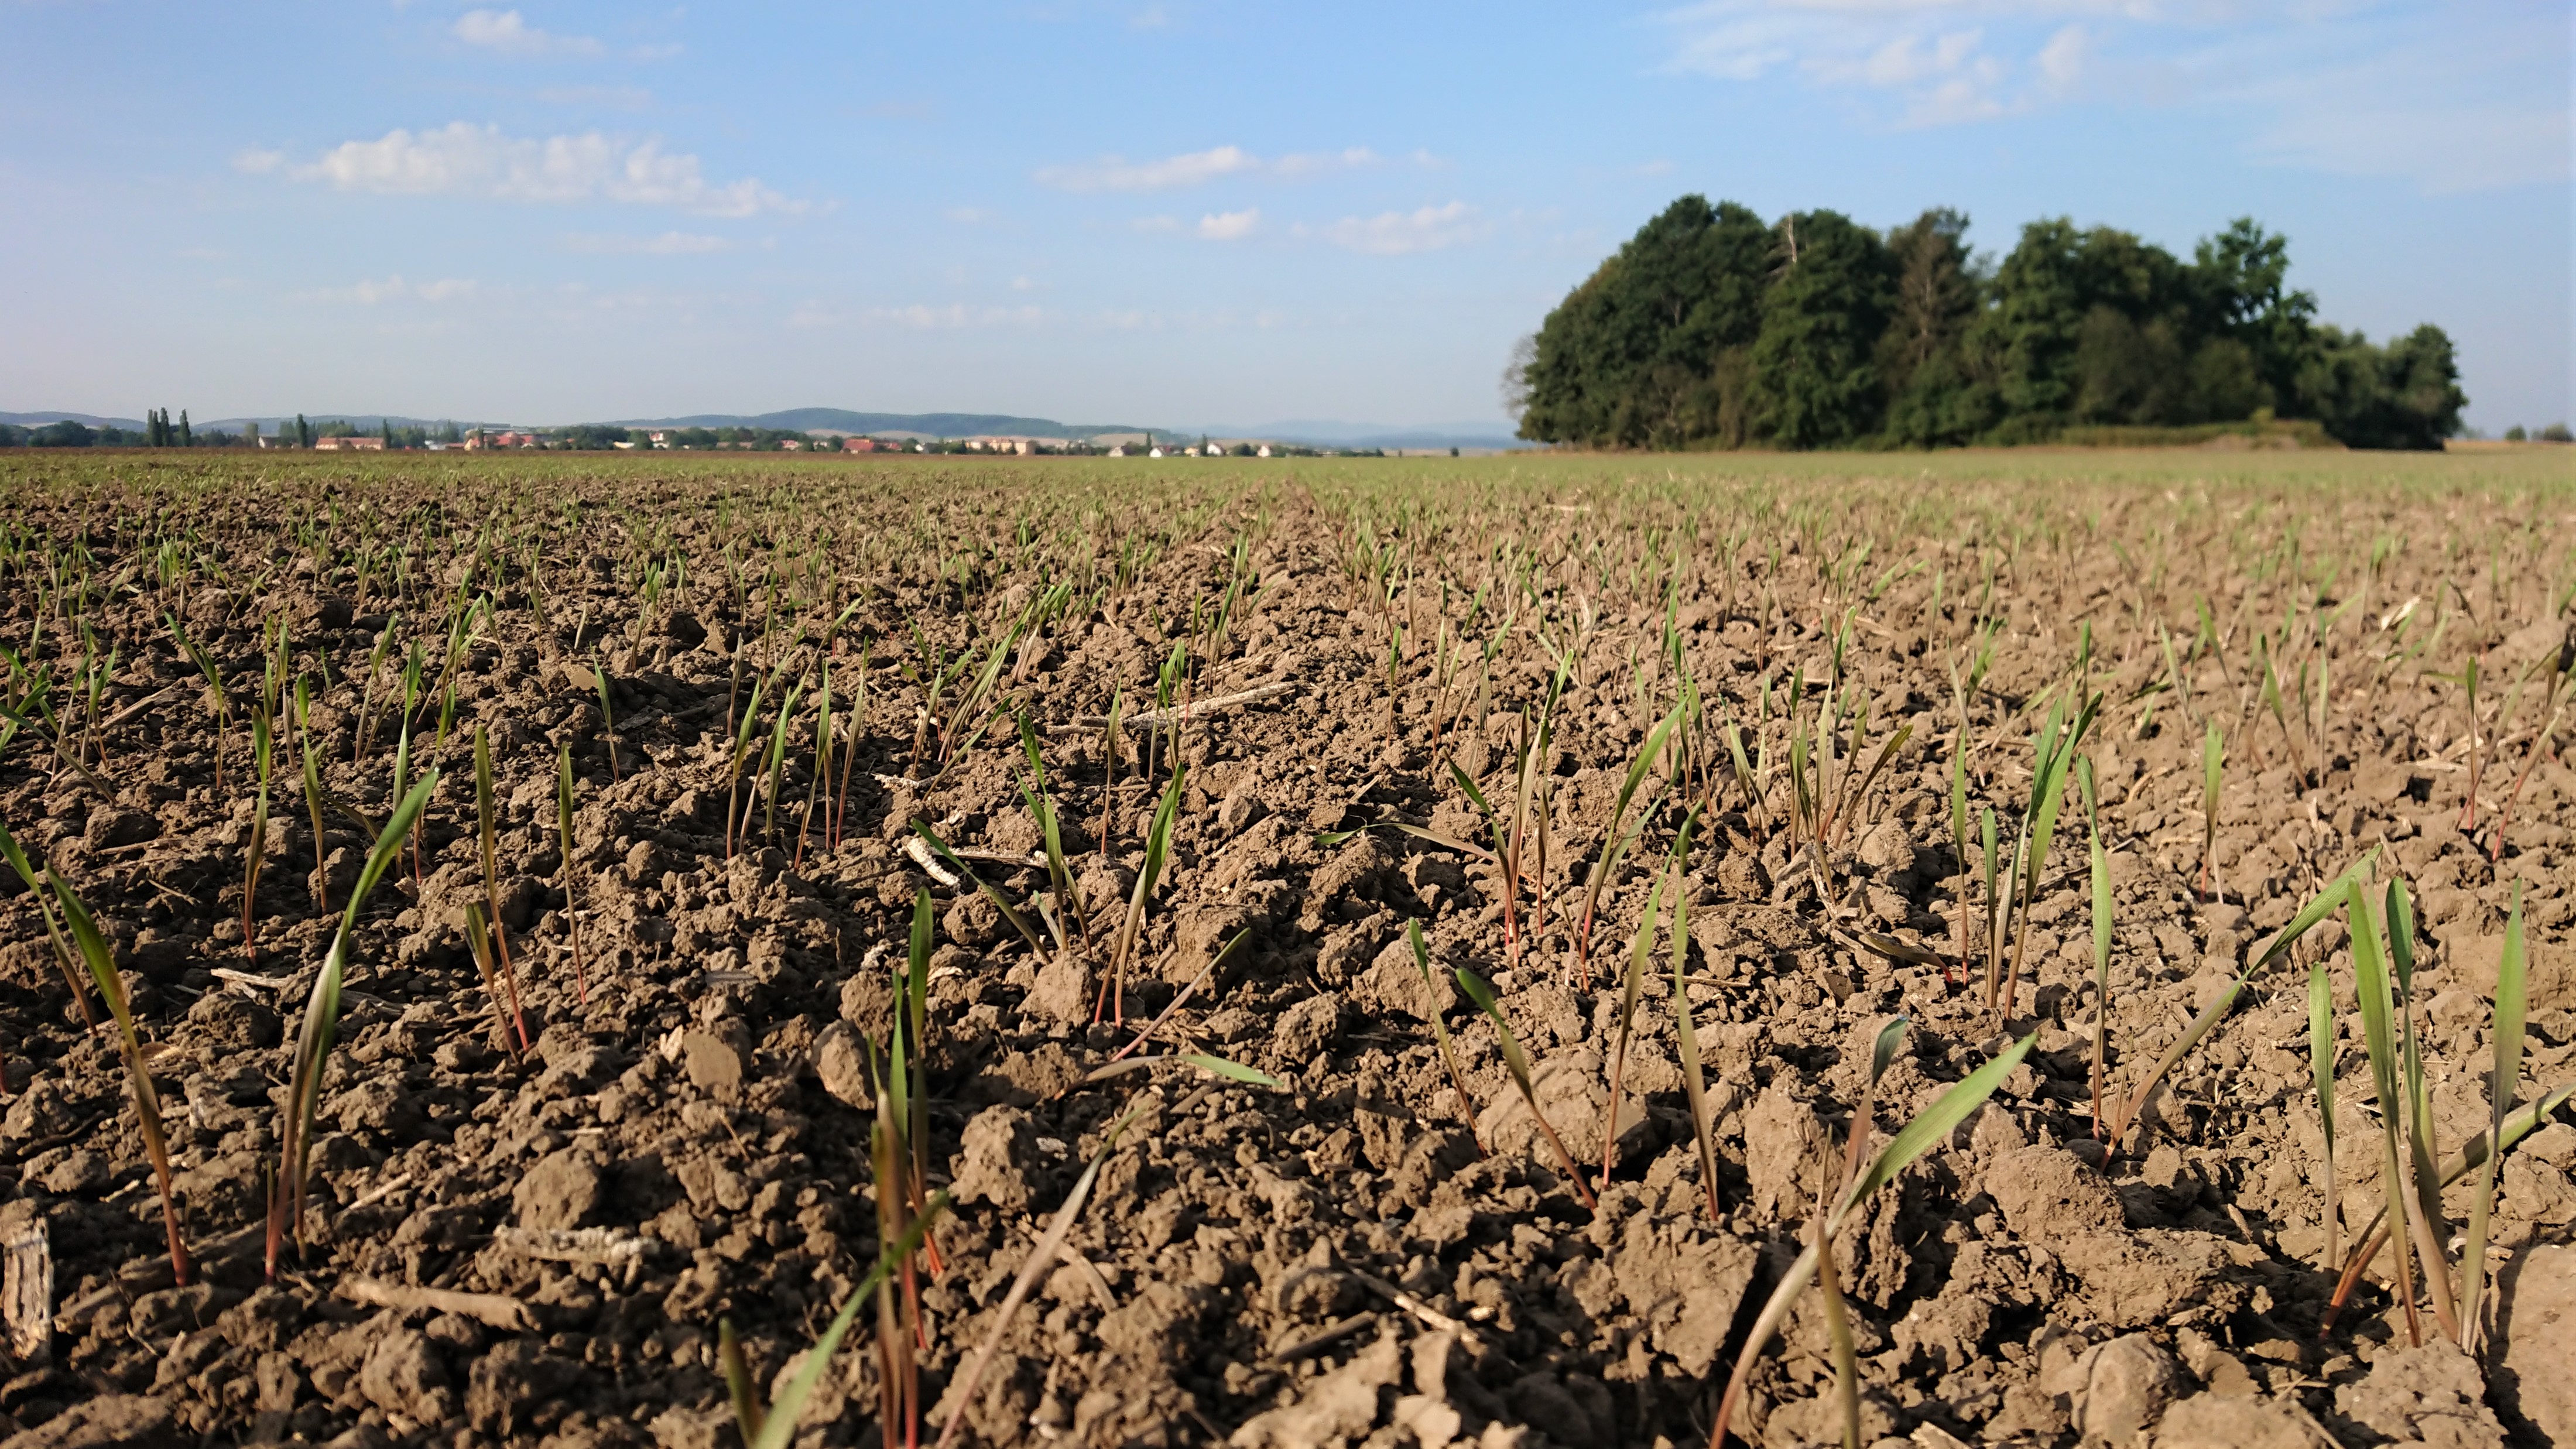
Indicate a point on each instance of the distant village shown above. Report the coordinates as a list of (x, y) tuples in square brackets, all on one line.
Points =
[(341, 435)]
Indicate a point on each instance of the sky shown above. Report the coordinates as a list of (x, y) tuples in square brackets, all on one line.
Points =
[(1171, 213)]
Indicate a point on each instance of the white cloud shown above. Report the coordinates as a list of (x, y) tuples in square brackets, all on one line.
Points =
[(1396, 233), (463, 159), (506, 32), (2463, 95), (1229, 225), (1197, 168), (668, 244), (919, 316), (370, 293), (2062, 59)]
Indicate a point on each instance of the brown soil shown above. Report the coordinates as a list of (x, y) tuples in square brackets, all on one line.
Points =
[(536, 1248)]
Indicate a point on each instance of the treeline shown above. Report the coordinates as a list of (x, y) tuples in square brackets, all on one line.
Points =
[(158, 431), (1714, 328)]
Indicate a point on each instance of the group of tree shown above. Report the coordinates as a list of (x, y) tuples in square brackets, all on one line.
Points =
[(1712, 327)]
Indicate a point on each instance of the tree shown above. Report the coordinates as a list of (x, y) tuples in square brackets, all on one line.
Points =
[(2404, 395), (303, 432), (187, 435), (1814, 381), (63, 434), (1624, 359)]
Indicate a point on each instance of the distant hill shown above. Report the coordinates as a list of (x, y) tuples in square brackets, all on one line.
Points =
[(38, 420), (928, 425)]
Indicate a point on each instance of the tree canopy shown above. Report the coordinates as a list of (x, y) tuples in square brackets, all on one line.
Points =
[(1711, 327)]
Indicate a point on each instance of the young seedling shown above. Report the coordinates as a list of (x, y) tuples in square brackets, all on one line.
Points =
[(1694, 1082), (775, 1427), (1933, 1125), (607, 709), (320, 1025), (147, 1101), (2512, 972), (217, 699), (1041, 1259), (2321, 1066), (1017, 921), (2101, 863), (1517, 1061), (260, 756), (17, 858), (1042, 807), (1440, 1032), (1158, 844), (563, 840), (486, 817), (2380, 1008), (1638, 951), (1616, 841), (312, 790), (2213, 762)]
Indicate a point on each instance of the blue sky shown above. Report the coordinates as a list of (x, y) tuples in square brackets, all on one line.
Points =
[(1170, 213)]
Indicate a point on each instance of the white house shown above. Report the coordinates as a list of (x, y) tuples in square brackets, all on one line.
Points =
[(1265, 451), (1118, 450)]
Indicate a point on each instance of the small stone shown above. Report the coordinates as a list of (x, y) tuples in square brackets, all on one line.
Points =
[(715, 1057), (1307, 1028), (1064, 990), (2126, 1390), (991, 1165), (840, 1059), (559, 1192)]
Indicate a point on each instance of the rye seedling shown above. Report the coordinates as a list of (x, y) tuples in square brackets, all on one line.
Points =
[(2101, 872), (563, 841), (218, 700), (1934, 1124), (1517, 1061), (147, 1102), (257, 850), (320, 1025), (1616, 841), (1440, 1033), (2512, 971), (17, 858), (2400, 1131), (2213, 764), (774, 1427), (1158, 845), (312, 789), (1041, 1258), (2321, 1067)]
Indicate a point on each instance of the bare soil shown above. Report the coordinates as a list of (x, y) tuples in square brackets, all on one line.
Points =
[(535, 1248)]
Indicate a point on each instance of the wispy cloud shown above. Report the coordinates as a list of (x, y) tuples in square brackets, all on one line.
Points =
[(2458, 96), (463, 159), (1197, 168), (668, 244), (1229, 225), (370, 293), (918, 316), (1398, 233), (506, 32)]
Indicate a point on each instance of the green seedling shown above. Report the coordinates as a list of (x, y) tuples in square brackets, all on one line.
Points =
[(1616, 840), (2511, 1002), (1686, 1037), (320, 1025), (261, 755), (498, 988), (563, 841), (218, 700), (775, 1427), (1042, 808), (1440, 1032), (607, 709), (1934, 1124), (312, 789), (1010, 914), (2218, 1005), (1837, 1315), (776, 765), (2321, 1066), (1158, 844), (2470, 1156), (17, 858), (2381, 1004), (2101, 872), (147, 1101), (1041, 1260), (487, 821), (2213, 764), (1959, 840), (1517, 1061)]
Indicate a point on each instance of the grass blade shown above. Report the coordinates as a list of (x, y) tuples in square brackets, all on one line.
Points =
[(147, 1102), (1440, 1031), (1519, 1064), (2512, 972)]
